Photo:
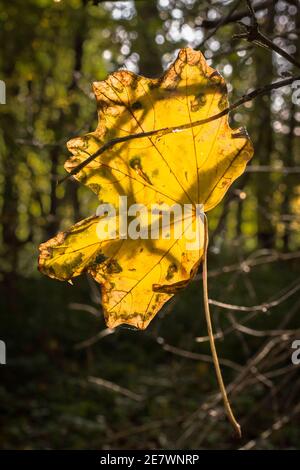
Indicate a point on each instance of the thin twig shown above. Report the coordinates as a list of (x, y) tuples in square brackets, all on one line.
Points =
[(85, 308), (173, 129), (254, 36), (264, 307), (237, 16), (250, 263), (224, 20), (115, 388), (252, 12), (94, 339), (276, 426), (197, 357), (285, 170), (262, 334)]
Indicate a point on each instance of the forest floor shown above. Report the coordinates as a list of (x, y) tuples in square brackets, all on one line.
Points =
[(149, 394)]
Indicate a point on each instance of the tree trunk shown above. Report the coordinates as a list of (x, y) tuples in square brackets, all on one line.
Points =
[(145, 45), (264, 145)]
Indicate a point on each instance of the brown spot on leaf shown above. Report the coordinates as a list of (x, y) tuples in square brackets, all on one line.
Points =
[(172, 269), (223, 103), (95, 187), (198, 102), (113, 267), (137, 105), (135, 164)]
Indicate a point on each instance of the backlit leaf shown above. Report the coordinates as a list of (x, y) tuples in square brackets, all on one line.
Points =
[(195, 165)]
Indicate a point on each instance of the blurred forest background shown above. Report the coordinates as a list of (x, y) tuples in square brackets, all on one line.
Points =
[(70, 383)]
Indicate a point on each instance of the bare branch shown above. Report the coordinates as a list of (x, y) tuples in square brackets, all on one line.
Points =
[(254, 36), (221, 22), (94, 339), (197, 357), (168, 130), (115, 388), (276, 426), (264, 307), (238, 15)]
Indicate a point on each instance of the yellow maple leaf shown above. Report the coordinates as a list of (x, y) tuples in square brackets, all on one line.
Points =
[(177, 162)]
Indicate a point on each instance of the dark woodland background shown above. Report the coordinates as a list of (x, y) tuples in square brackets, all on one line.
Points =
[(70, 383)]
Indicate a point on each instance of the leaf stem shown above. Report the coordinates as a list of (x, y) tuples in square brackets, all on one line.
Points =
[(214, 353)]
